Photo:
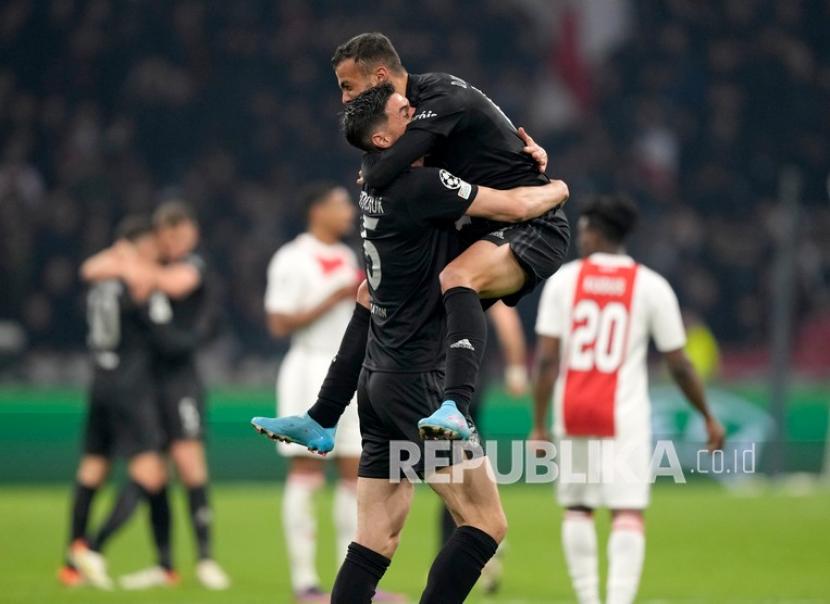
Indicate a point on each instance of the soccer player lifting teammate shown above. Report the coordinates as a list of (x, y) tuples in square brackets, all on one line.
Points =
[(409, 229), (596, 317), (456, 127)]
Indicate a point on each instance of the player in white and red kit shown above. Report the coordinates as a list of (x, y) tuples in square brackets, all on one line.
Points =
[(596, 318), (312, 283)]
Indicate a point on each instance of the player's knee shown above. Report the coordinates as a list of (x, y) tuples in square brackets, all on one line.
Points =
[(455, 276), (494, 524), (628, 520), (92, 471), (384, 542), (498, 527)]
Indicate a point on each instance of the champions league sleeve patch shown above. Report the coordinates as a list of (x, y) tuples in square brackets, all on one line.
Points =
[(453, 183)]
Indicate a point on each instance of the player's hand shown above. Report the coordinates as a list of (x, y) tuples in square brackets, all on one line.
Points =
[(537, 439), (532, 148), (716, 435), (516, 380)]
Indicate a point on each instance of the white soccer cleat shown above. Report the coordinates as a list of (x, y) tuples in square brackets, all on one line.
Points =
[(493, 571), (92, 566), (211, 575), (155, 576)]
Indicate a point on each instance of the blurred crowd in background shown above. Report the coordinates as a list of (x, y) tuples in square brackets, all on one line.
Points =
[(694, 108)]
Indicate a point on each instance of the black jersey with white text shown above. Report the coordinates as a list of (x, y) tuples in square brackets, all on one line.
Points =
[(117, 335), (460, 129), (409, 236)]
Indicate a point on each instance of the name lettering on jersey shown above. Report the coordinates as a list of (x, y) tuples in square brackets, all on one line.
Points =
[(424, 115), (604, 286), (379, 311), (370, 204)]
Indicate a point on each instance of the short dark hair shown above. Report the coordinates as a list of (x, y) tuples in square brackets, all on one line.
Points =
[(368, 50), (173, 213), (615, 216), (133, 227), (365, 113), (314, 194)]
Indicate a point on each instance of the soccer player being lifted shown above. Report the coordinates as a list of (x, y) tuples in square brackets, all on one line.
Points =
[(455, 126), (410, 235), (596, 318)]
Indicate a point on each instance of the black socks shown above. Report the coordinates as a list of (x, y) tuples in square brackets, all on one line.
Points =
[(200, 518), (466, 339), (458, 566), (160, 521), (123, 509), (81, 506), (341, 381), (359, 576)]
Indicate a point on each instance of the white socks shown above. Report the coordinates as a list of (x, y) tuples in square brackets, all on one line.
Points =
[(626, 552), (300, 528), (579, 541), (345, 516)]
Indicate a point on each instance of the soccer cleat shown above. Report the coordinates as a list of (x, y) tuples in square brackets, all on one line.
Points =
[(155, 576), (299, 429), (312, 595), (389, 597), (92, 566), (69, 576), (447, 423), (493, 571), (211, 575)]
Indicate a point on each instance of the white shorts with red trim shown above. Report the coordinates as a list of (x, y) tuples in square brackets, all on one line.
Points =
[(301, 374), (609, 473)]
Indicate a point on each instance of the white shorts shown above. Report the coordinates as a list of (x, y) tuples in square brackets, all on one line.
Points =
[(609, 473), (300, 377)]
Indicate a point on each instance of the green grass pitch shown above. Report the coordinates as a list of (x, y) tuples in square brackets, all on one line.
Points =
[(704, 545)]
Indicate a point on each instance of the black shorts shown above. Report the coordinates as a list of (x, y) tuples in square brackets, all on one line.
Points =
[(181, 400), (389, 406), (540, 245), (122, 420)]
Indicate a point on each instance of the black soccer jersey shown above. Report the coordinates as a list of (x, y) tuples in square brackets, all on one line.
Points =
[(457, 127), (117, 335), (180, 326), (409, 236)]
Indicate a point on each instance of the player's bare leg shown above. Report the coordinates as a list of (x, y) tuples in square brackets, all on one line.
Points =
[(626, 553), (484, 270), (189, 457), (579, 543), (383, 507), (473, 499), (345, 504)]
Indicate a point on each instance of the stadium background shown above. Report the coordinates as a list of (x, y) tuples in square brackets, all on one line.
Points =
[(713, 115)]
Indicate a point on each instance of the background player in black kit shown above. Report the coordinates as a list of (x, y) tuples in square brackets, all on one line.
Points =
[(457, 127), (184, 313), (186, 286), (123, 419)]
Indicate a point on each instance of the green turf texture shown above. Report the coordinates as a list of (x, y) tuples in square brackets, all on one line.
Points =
[(704, 545)]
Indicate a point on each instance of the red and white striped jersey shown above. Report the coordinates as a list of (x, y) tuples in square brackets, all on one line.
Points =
[(605, 309)]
